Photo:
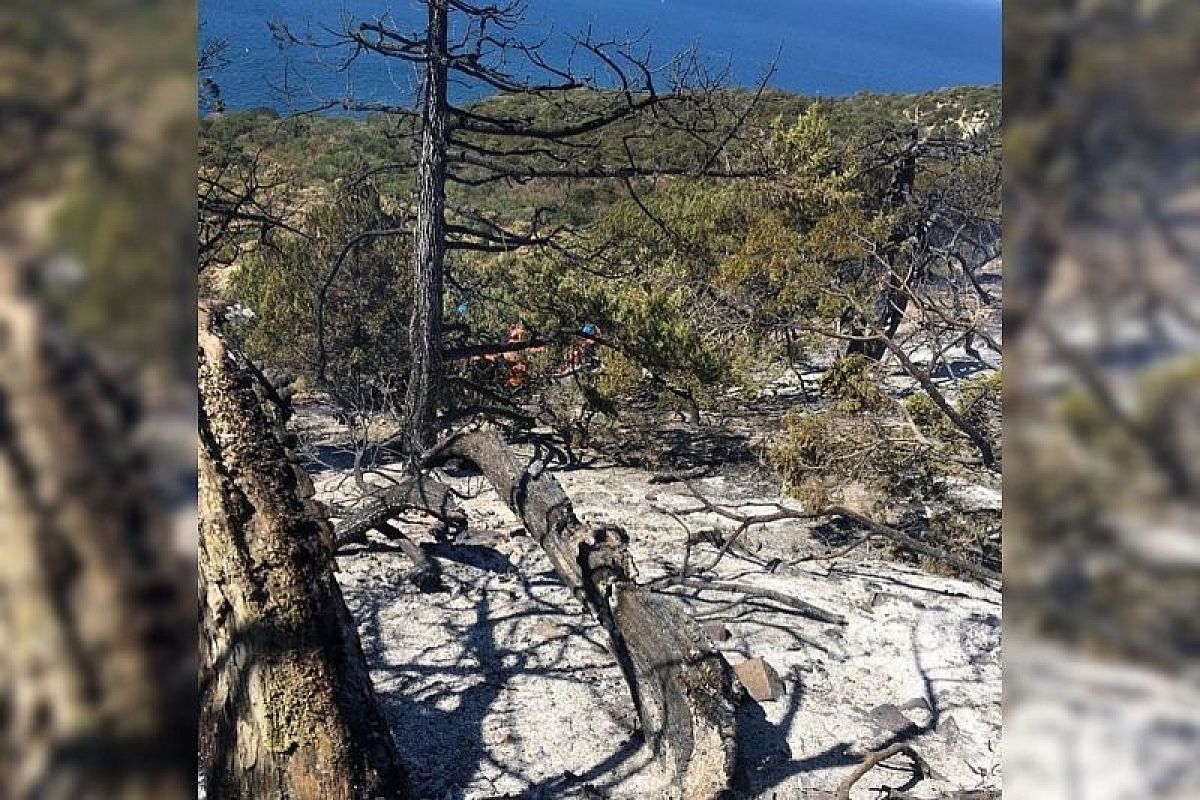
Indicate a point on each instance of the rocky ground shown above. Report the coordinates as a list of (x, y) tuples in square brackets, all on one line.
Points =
[(500, 685)]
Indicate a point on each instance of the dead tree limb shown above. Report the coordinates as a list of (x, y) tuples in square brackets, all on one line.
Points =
[(426, 573), (747, 521), (678, 477), (796, 604), (420, 494), (972, 432), (683, 689), (917, 546), (920, 768)]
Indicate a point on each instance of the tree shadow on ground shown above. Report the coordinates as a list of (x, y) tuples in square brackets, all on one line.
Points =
[(447, 704), (766, 759), (959, 368), (679, 447)]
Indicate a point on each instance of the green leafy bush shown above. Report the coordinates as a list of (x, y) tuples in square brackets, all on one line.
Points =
[(853, 384), (361, 323), (836, 456)]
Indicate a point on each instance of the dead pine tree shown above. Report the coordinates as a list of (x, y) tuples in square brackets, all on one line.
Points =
[(935, 227), (600, 87), (287, 706)]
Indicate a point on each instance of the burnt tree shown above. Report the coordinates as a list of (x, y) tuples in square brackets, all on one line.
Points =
[(287, 706), (602, 88), (936, 224)]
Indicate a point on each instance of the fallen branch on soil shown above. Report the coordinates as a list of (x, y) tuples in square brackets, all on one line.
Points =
[(680, 477), (920, 768), (873, 528), (420, 494), (682, 688), (805, 608), (426, 573)]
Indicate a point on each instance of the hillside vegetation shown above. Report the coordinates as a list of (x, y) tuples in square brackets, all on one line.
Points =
[(835, 311)]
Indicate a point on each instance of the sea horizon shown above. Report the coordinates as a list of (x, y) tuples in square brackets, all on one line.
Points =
[(822, 48)]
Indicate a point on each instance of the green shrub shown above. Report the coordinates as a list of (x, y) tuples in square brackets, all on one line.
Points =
[(980, 401), (825, 456), (365, 309), (928, 418), (852, 384)]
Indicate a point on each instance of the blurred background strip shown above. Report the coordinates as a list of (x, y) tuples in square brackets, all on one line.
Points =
[(1102, 397), (97, 399)]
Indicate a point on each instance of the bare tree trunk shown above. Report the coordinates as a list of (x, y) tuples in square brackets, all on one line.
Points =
[(683, 689), (287, 706), (892, 301), (97, 674), (429, 251), (886, 315)]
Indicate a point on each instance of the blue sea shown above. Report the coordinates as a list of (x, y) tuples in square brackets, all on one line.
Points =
[(820, 47)]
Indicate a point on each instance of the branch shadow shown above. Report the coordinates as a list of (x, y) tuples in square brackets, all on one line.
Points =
[(765, 757), (456, 737)]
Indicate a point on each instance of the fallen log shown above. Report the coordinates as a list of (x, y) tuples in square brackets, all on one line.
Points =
[(426, 573), (421, 494), (682, 688)]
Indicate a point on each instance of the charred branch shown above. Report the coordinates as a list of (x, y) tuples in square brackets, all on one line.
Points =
[(413, 494)]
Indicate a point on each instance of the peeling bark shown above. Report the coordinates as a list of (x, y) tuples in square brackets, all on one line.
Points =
[(287, 706), (683, 689)]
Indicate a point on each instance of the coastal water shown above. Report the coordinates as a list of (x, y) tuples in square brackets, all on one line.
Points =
[(820, 47)]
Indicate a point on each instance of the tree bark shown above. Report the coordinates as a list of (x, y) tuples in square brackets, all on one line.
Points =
[(683, 689), (429, 251), (287, 706), (97, 673), (886, 315)]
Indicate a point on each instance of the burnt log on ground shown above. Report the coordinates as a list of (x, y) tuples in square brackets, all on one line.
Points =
[(426, 573), (683, 689), (286, 701), (418, 494)]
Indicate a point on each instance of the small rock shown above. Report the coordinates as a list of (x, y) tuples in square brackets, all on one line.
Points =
[(760, 679), (891, 719), (716, 631), (949, 730), (549, 629)]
